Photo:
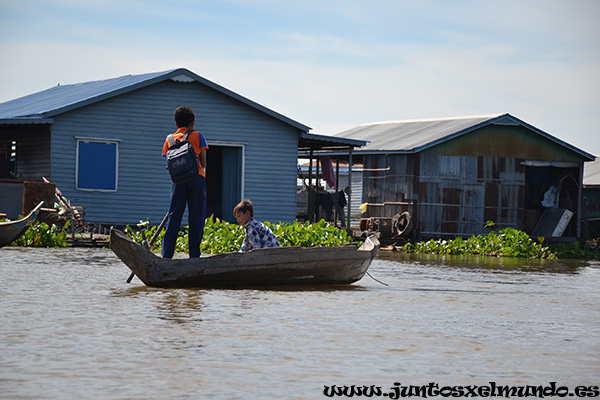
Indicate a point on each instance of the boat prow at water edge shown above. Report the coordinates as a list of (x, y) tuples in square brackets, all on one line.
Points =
[(277, 266), (12, 230)]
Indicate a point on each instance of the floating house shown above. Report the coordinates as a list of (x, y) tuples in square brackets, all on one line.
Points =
[(100, 142), (447, 177)]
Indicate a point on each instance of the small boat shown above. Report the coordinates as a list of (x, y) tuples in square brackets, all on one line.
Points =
[(12, 230), (276, 266)]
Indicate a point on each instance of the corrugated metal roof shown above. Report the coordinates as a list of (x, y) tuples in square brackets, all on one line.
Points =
[(53, 101), (63, 98), (591, 173), (409, 135), (412, 136)]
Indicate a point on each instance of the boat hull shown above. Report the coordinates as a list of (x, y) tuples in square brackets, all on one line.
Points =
[(281, 266), (12, 230)]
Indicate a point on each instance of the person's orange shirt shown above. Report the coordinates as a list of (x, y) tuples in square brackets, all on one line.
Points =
[(195, 138)]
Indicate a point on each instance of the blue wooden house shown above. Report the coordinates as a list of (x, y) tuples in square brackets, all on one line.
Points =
[(100, 142)]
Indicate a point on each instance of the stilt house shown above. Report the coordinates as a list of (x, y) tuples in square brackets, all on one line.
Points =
[(451, 176)]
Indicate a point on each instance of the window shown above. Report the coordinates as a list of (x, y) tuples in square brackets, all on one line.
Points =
[(97, 164)]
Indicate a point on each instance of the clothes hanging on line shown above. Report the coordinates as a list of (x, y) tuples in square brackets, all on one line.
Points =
[(327, 171)]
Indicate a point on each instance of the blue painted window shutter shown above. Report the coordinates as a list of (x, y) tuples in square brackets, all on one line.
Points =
[(97, 165)]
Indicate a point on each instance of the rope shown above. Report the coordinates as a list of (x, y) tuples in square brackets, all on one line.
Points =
[(377, 280)]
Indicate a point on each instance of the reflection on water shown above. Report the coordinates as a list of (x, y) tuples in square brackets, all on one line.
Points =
[(489, 263), (73, 328)]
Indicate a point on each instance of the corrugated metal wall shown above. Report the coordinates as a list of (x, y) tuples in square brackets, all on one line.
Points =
[(446, 195), (457, 195), (388, 184), (141, 120)]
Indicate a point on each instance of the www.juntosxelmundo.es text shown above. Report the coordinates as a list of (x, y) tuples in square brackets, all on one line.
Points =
[(432, 389)]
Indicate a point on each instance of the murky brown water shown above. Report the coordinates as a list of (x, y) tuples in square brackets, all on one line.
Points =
[(71, 327)]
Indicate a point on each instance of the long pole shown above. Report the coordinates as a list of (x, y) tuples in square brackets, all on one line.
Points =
[(349, 190), (154, 237)]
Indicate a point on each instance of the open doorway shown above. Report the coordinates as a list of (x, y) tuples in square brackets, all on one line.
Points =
[(224, 177), (8, 159), (541, 181)]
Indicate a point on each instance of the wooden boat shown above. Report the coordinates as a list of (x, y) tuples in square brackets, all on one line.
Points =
[(279, 266), (12, 230)]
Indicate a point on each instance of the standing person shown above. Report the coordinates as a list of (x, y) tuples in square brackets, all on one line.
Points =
[(257, 234), (192, 192)]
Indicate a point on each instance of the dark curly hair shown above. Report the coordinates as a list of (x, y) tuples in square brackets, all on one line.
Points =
[(184, 116)]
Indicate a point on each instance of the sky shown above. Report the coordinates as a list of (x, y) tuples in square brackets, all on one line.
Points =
[(330, 64)]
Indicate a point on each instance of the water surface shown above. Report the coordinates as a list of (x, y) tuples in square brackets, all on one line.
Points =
[(73, 328)]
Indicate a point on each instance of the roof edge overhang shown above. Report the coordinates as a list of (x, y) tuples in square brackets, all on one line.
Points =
[(177, 75), (333, 139), (370, 152), (312, 141), (25, 121)]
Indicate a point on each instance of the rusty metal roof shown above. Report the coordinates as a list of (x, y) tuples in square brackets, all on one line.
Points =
[(412, 136)]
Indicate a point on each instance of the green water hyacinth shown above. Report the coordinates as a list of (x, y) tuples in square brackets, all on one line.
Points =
[(40, 234), (577, 250), (508, 242), (220, 236), (306, 234), (223, 237)]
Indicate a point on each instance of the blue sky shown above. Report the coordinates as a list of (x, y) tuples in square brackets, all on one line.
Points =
[(330, 64)]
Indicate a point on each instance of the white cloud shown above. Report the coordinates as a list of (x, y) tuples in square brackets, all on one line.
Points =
[(380, 60)]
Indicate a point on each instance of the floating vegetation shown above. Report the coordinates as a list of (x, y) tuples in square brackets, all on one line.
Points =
[(508, 242), (40, 234), (223, 237)]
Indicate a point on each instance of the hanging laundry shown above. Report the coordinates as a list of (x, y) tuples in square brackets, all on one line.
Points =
[(327, 170)]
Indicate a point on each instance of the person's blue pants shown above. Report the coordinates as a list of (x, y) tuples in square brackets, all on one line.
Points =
[(192, 193)]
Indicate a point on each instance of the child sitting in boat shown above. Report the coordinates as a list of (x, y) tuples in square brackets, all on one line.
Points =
[(257, 234)]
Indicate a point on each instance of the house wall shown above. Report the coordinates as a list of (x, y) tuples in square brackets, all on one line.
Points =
[(388, 184), (446, 195), (11, 198), (33, 156), (457, 195), (32, 163), (141, 120), (511, 141), (591, 193)]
